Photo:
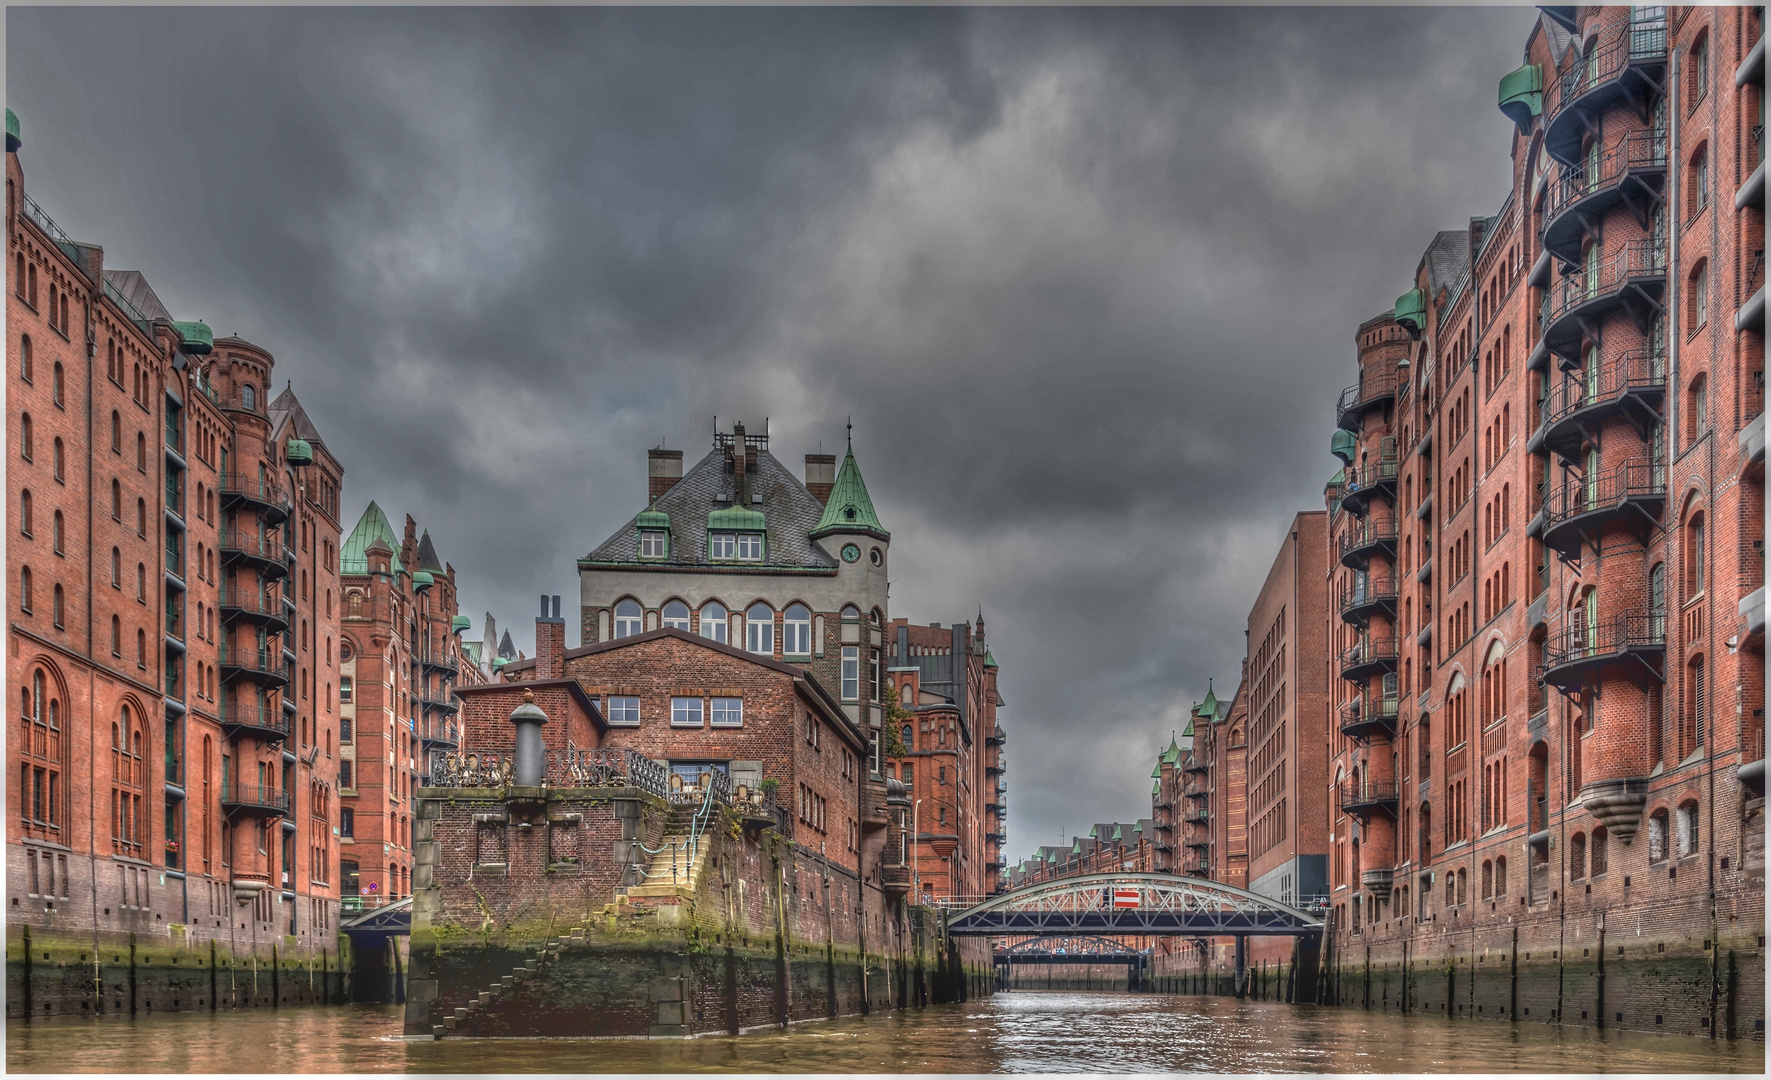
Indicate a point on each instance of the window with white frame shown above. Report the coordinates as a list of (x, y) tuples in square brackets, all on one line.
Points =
[(750, 547), (722, 545), (624, 711), (654, 544), (727, 712), (796, 631), (851, 672), (713, 621), (685, 712), (676, 615), (759, 629), (1687, 823), (628, 618)]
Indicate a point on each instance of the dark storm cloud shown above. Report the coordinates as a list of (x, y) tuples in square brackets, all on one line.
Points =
[(1086, 280)]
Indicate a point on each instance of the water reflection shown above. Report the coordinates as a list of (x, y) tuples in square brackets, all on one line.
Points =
[(1018, 1032)]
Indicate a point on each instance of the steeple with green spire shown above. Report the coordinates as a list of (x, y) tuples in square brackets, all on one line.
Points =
[(849, 509), (353, 556)]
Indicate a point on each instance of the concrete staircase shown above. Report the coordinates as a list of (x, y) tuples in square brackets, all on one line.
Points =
[(672, 873), (482, 1002)]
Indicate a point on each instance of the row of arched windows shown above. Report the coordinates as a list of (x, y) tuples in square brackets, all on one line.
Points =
[(757, 627)]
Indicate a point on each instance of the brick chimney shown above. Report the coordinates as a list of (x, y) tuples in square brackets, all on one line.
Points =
[(663, 469), (550, 640), (820, 475)]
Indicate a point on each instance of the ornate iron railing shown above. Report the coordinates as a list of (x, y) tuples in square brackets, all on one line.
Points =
[(1637, 369), (1606, 637), (1637, 258), (1586, 495), (1636, 150)]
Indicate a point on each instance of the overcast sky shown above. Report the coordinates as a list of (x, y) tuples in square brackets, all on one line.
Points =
[(1087, 282)]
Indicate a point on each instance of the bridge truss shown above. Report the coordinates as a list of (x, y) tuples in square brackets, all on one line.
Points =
[(1133, 904)]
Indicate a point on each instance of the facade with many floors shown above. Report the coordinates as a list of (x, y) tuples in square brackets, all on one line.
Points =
[(171, 574), (400, 662), (1549, 535)]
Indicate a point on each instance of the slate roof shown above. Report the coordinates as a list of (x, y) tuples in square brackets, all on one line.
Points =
[(353, 557), (427, 555), (1556, 35), (137, 291), (287, 417), (791, 515), (1446, 258)]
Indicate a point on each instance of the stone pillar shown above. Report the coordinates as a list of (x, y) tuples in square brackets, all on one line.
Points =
[(1241, 976), (531, 753)]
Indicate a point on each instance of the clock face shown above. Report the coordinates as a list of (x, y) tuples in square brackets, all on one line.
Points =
[(850, 553)]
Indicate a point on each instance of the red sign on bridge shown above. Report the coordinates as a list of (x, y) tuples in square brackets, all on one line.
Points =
[(1125, 898)]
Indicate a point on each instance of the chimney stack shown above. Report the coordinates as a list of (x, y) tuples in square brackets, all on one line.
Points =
[(820, 475), (663, 469), (550, 641)]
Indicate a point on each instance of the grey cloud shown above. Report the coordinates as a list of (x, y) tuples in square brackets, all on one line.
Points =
[(1087, 281)]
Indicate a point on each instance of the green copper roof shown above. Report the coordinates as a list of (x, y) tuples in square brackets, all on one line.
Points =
[(989, 661), (196, 336), (1209, 707), (656, 519), (12, 139), (849, 508), (1343, 444), (353, 557), (1411, 311), (422, 580), (1156, 773), (1156, 788), (299, 452), (1188, 734), (459, 623), (1521, 95), (733, 517)]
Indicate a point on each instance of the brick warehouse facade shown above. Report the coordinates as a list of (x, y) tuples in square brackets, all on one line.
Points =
[(170, 572), (400, 661), (1548, 561)]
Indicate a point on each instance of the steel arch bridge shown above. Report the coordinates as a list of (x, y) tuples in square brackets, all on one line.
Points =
[(1135, 904), (1056, 950)]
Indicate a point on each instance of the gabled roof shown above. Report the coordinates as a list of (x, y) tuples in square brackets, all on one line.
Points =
[(427, 555), (505, 649), (353, 557), (849, 508), (287, 405), (138, 292), (790, 512), (1446, 258)]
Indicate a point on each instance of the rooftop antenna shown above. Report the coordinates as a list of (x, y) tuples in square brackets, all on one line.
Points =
[(851, 434)]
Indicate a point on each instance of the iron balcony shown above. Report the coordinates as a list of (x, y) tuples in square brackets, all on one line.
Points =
[(1370, 656), (1364, 798), (1203, 843), (264, 553), (260, 721), (1370, 392), (1366, 539), (1377, 594), (1631, 385), (1196, 817), (1580, 654), (258, 800), (249, 604), (1629, 64), (1194, 764), (263, 666), (441, 663), (1366, 482), (265, 496), (445, 703), (1633, 277), (1634, 493), (1364, 718), (1633, 172)]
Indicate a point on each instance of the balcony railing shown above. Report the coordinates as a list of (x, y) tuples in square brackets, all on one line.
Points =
[(262, 719), (1639, 265), (267, 548), (258, 797), (1629, 56), (1577, 651), (1369, 656), (264, 492), (1633, 382), (263, 664), (252, 603), (1364, 718), (1370, 390), (1357, 603), (1358, 544), (1637, 161), (1635, 489), (1364, 797)]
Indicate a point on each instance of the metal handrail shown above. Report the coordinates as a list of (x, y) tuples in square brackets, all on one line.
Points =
[(251, 602), (1585, 641), (1633, 43), (130, 311), (1584, 495), (43, 220), (1369, 649), (1359, 710), (1374, 532), (264, 490), (1368, 791), (259, 716), (1636, 150), (245, 794), (1635, 258), (269, 546), (1375, 590), (1368, 388), (256, 660), (1635, 369)]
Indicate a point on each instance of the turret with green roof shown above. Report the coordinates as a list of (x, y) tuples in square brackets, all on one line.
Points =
[(353, 557), (848, 508)]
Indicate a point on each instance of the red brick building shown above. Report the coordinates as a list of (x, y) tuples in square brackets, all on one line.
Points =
[(1550, 535), (954, 767), (400, 661), (171, 575)]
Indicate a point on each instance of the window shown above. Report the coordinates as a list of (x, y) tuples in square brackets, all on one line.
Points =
[(676, 616), (722, 546), (713, 621), (116, 636), (58, 462), (727, 712), (685, 712), (141, 452), (1687, 830), (346, 688), (24, 512), (345, 768), (624, 711), (851, 672), (796, 631), (1657, 836), (24, 359), (141, 517), (1577, 857), (346, 730), (654, 544), (55, 533), (116, 569), (249, 397), (1597, 853), (750, 547), (24, 589), (347, 822), (1697, 719), (57, 610), (627, 618), (24, 436), (1698, 63), (55, 386), (1700, 181), (759, 629), (1694, 568)]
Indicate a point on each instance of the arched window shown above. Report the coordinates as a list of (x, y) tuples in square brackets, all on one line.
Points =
[(116, 636), (1577, 857), (1694, 556), (141, 451), (141, 648), (796, 631), (55, 385), (353, 604), (116, 501), (116, 568), (1686, 824), (713, 621), (628, 618), (58, 462), (24, 512), (24, 359), (116, 431), (141, 582), (24, 588), (1697, 712), (676, 616), (24, 436), (906, 696), (56, 610), (1598, 853), (851, 612), (1657, 829), (141, 517), (1500, 876), (1487, 880), (759, 629), (249, 397)]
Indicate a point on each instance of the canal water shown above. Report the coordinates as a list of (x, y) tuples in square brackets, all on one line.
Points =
[(1014, 1032)]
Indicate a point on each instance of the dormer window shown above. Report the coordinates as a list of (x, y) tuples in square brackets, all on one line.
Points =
[(654, 544), (743, 547)]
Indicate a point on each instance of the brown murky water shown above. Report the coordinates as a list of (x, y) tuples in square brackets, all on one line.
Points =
[(1017, 1032)]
